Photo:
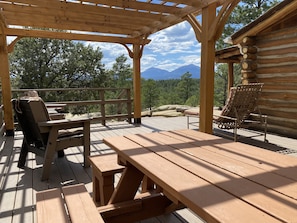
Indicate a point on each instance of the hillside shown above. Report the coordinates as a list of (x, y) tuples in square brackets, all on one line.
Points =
[(160, 74)]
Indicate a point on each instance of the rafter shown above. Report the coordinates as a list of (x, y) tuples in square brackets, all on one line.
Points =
[(74, 36), (126, 18)]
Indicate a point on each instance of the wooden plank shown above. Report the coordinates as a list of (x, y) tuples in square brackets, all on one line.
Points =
[(106, 164), (270, 180), (265, 159), (50, 207), (9, 180), (205, 199), (195, 161), (80, 205), (24, 194)]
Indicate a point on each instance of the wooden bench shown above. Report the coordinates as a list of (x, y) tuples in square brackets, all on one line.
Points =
[(104, 168), (67, 204)]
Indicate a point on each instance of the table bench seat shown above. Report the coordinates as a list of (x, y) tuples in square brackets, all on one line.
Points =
[(67, 204), (104, 168)]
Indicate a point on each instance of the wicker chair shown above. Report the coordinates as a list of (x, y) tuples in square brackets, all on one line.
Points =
[(241, 109)]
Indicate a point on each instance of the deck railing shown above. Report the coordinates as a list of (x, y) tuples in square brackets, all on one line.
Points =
[(100, 104)]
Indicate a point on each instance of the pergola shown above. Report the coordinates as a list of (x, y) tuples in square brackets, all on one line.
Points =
[(126, 22)]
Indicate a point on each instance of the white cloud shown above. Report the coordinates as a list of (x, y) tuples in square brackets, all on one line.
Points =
[(169, 49)]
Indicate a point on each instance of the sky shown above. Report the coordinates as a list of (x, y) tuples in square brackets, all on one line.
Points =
[(169, 49)]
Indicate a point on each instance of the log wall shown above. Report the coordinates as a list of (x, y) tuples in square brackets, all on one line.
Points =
[(277, 69)]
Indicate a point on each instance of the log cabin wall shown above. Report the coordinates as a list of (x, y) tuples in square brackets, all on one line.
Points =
[(249, 60), (276, 67)]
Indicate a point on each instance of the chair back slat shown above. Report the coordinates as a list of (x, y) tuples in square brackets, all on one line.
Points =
[(27, 122)]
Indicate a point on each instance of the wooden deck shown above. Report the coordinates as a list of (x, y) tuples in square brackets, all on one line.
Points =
[(19, 186)]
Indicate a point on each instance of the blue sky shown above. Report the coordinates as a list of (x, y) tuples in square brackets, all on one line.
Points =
[(169, 49)]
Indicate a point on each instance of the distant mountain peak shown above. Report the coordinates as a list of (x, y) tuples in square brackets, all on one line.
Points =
[(161, 74)]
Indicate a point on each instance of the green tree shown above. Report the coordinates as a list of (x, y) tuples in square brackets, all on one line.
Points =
[(245, 12), (121, 72), (120, 76), (184, 87), (168, 93), (150, 93), (48, 63)]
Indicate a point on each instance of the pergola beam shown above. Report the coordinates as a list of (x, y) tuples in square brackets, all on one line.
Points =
[(74, 36)]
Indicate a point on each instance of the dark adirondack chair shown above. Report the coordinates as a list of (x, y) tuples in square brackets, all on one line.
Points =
[(45, 137)]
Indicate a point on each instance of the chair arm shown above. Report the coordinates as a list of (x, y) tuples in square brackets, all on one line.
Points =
[(63, 124), (63, 121)]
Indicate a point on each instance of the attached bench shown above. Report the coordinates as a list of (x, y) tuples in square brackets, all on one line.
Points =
[(67, 204), (104, 168)]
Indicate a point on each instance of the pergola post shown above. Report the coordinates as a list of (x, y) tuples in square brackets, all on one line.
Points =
[(207, 33), (207, 70), (137, 52), (6, 87)]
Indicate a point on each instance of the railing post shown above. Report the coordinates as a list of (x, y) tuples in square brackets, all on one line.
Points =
[(129, 105), (102, 106)]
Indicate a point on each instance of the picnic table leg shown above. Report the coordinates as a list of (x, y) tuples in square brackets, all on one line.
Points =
[(49, 153), (128, 185)]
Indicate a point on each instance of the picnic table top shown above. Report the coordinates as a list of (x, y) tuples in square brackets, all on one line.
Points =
[(219, 179)]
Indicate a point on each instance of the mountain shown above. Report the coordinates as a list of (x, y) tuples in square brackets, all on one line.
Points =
[(155, 73), (160, 74)]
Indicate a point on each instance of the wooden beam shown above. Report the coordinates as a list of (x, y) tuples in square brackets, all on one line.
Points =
[(196, 26), (5, 83), (217, 27), (230, 76), (207, 71), (212, 26), (73, 36), (137, 53)]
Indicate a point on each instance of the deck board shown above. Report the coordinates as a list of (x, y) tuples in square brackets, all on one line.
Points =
[(19, 186)]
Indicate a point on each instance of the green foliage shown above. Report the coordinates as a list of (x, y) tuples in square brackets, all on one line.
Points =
[(221, 83), (121, 73), (150, 93), (245, 12), (48, 63), (186, 87), (120, 76), (173, 91)]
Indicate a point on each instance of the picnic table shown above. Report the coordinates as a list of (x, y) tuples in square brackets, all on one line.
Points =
[(218, 179)]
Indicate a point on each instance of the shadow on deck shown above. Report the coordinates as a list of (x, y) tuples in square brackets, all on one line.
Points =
[(19, 186)]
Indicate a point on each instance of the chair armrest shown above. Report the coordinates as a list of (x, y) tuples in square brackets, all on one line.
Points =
[(64, 124)]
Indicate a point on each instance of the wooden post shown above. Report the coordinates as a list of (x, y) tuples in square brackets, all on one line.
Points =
[(6, 87), (207, 70), (230, 76), (137, 52)]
